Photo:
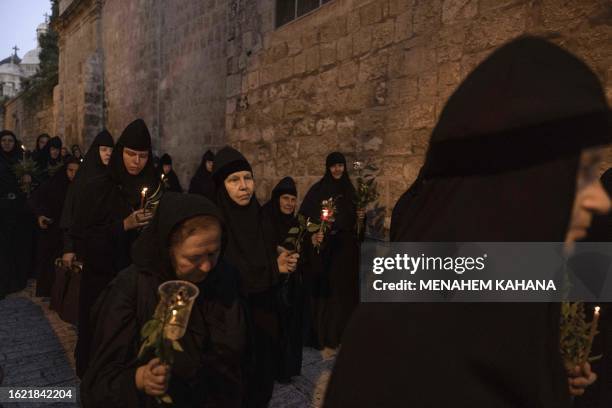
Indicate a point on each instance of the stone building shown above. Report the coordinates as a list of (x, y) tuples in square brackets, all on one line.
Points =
[(288, 82)]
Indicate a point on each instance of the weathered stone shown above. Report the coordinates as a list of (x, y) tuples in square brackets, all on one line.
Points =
[(347, 74), (371, 13), (313, 58), (494, 30), (328, 53), (427, 16), (299, 63), (403, 26), (325, 125), (383, 34), (362, 41), (397, 7), (453, 10), (373, 67), (420, 116), (344, 48)]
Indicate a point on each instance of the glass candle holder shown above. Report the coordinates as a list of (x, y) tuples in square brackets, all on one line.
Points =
[(177, 298)]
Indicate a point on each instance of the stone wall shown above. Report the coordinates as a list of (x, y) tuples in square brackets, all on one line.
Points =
[(370, 77), (161, 61), (29, 121)]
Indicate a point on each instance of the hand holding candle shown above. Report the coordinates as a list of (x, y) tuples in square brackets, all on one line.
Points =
[(592, 332)]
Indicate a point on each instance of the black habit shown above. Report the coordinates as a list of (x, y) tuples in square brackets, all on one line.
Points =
[(251, 251), (98, 229), (209, 372), (501, 166), (16, 224), (48, 200), (171, 181), (202, 182), (290, 287), (90, 168), (334, 274)]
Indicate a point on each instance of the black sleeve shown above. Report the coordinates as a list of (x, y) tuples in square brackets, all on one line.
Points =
[(110, 379)]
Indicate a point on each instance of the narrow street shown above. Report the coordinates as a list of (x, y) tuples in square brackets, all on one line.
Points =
[(36, 350)]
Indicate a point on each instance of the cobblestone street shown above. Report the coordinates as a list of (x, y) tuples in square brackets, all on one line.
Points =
[(36, 349)]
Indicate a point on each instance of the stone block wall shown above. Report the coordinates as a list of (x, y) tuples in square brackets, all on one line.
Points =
[(370, 77), (29, 121)]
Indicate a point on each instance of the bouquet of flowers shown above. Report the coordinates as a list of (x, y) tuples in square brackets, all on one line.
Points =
[(577, 334), (161, 334), (26, 167), (296, 234), (367, 191)]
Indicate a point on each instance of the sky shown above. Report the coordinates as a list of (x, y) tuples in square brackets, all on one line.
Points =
[(19, 21)]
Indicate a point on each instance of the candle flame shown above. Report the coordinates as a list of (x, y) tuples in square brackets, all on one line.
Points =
[(23, 147), (174, 312), (597, 309), (144, 191)]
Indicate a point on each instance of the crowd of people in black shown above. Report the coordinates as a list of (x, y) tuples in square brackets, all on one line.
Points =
[(512, 158)]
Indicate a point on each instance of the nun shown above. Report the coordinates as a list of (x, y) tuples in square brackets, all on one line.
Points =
[(41, 142), (279, 212), (108, 222), (76, 151), (46, 204), (335, 291), (50, 159), (261, 264), (185, 241), (169, 177), (16, 225), (513, 157), (202, 182), (93, 165)]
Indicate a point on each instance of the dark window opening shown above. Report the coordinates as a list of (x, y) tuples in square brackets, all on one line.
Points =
[(289, 10)]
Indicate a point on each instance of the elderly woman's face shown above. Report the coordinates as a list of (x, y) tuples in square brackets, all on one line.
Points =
[(198, 254), (42, 142), (590, 199), (240, 187), (287, 203), (7, 143)]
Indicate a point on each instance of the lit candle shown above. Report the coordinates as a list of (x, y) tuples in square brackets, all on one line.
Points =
[(324, 214), (24, 151), (143, 196), (593, 331)]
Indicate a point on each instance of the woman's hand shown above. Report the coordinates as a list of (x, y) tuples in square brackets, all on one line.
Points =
[(68, 258), (287, 262), (317, 238), (26, 179), (579, 378), (137, 219), (361, 212), (43, 222), (153, 378)]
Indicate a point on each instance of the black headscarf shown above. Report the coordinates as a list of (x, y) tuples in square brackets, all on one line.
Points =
[(76, 147), (327, 187), (246, 250), (44, 158), (37, 152), (202, 182), (136, 137), (13, 155), (501, 166), (280, 221), (166, 159)]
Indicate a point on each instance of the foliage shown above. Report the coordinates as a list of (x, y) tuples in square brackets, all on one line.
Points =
[(367, 189), (575, 335)]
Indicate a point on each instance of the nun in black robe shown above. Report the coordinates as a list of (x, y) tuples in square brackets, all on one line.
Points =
[(46, 204), (16, 224), (49, 161), (251, 250), (98, 228), (209, 372), (90, 168), (290, 289), (202, 182), (599, 395), (335, 286), (171, 181), (501, 166), (38, 149)]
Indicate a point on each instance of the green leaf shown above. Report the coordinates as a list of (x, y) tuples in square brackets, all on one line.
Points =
[(166, 399), (176, 345), (313, 227), (149, 328), (294, 230)]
